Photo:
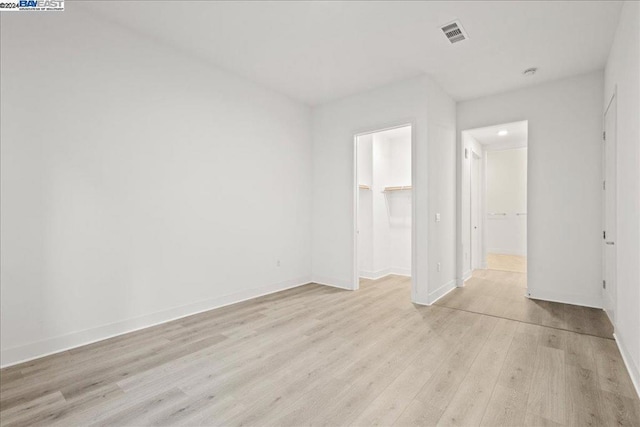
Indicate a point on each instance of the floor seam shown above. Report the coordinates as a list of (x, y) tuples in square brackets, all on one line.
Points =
[(528, 323)]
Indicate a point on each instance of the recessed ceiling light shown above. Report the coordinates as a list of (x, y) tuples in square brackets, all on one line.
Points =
[(530, 71), (503, 132)]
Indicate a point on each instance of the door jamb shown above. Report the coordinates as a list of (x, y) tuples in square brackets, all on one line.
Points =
[(612, 99)]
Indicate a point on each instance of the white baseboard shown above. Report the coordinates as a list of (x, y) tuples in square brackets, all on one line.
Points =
[(38, 349), (573, 299), (466, 276), (634, 371), (333, 282), (441, 291), (398, 271), (375, 275)]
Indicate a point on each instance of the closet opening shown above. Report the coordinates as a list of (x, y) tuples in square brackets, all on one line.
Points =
[(383, 207)]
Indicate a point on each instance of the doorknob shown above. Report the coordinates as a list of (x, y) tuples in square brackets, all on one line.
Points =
[(610, 243)]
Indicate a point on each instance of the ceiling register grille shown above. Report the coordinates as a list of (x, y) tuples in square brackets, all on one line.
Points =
[(454, 32)]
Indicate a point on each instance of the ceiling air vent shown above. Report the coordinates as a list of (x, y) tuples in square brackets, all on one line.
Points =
[(454, 32)]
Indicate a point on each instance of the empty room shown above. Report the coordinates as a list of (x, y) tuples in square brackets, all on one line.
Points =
[(341, 213)]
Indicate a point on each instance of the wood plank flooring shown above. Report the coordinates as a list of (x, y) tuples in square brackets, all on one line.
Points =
[(502, 262), (315, 355), (501, 294)]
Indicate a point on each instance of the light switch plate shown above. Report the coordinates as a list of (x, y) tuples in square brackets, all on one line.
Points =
[(437, 217)]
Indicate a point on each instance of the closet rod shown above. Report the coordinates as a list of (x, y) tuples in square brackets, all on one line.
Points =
[(400, 188)]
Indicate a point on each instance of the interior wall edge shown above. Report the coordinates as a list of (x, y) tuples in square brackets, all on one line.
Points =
[(466, 276), (441, 291), (35, 350)]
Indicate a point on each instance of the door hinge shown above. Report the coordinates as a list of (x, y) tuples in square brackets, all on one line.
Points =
[(604, 135), (604, 284), (604, 234)]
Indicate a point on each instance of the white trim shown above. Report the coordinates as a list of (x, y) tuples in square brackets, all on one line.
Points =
[(634, 373), (333, 282), (398, 271), (375, 275), (609, 300), (441, 291), (594, 301), (466, 276), (46, 347)]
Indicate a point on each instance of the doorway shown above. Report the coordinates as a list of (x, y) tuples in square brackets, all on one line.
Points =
[(384, 208), (609, 255), (495, 198)]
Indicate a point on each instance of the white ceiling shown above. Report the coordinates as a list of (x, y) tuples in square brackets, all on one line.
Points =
[(516, 137), (318, 51)]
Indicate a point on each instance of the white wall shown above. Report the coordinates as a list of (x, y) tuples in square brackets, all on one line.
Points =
[(623, 72), (399, 206), (138, 184), (381, 232), (384, 218), (506, 192), (432, 112), (564, 185)]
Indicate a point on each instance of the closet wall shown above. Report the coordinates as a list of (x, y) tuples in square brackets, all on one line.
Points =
[(507, 199), (384, 217)]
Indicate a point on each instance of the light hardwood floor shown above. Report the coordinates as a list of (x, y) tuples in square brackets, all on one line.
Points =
[(501, 294), (317, 355), (514, 263)]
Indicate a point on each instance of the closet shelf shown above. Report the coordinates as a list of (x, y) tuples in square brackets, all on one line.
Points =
[(400, 188), (364, 187)]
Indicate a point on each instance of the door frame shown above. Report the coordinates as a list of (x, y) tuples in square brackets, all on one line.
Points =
[(356, 268), (478, 242), (607, 295)]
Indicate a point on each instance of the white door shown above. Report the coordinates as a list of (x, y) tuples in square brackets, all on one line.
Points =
[(609, 188), (475, 212)]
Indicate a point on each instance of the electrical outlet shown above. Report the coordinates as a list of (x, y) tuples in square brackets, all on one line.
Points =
[(278, 263), (437, 217)]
